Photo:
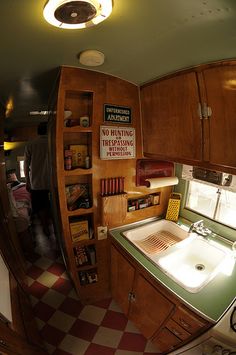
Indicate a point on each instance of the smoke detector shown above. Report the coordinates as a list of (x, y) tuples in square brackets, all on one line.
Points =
[(91, 58), (76, 14)]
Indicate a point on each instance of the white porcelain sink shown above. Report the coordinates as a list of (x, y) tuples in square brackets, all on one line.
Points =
[(189, 259), (194, 262)]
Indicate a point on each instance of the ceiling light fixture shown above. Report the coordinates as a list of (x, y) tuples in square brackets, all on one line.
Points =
[(76, 14)]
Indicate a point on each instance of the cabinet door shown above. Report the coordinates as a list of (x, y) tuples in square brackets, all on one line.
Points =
[(220, 95), (172, 128), (122, 278), (166, 341), (149, 308), (189, 320)]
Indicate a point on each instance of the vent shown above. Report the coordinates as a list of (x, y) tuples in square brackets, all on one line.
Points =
[(75, 12), (214, 177)]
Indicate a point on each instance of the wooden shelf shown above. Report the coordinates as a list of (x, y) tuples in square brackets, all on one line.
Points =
[(77, 129), (86, 267), (78, 171), (80, 212), (80, 103), (84, 242)]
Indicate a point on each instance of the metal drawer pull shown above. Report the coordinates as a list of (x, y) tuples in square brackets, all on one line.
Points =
[(175, 332), (184, 324)]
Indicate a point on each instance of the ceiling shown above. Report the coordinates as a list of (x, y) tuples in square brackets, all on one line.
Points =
[(141, 40)]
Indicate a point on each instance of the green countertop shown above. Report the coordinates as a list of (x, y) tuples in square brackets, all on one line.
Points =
[(211, 302)]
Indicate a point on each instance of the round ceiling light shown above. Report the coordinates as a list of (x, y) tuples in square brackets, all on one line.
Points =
[(91, 58), (76, 14)]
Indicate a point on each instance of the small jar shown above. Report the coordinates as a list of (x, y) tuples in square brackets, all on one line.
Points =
[(87, 162), (68, 163)]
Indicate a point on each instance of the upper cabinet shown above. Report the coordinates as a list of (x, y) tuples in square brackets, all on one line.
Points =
[(218, 91), (171, 124), (189, 117)]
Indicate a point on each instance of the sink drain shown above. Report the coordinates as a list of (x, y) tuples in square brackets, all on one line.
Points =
[(200, 267)]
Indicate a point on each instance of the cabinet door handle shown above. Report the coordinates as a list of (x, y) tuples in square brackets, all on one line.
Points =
[(131, 297), (206, 111), (184, 324), (199, 109), (209, 111)]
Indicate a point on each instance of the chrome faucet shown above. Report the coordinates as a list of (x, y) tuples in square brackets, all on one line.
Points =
[(199, 228)]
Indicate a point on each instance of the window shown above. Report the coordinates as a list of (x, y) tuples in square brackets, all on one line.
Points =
[(212, 202), (20, 161)]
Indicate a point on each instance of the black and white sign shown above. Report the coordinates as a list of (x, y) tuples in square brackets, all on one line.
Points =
[(117, 114)]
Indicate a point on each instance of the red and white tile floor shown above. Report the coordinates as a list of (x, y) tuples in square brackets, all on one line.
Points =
[(68, 327)]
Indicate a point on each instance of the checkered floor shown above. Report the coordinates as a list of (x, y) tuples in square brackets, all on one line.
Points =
[(66, 326)]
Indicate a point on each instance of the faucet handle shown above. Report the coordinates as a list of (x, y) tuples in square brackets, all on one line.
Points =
[(196, 224)]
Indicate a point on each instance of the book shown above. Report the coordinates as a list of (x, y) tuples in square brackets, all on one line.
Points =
[(79, 153), (79, 230), (74, 193)]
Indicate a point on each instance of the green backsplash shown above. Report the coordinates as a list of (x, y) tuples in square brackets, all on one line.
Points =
[(217, 228)]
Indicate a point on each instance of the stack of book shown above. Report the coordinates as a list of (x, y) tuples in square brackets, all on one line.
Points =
[(79, 230), (88, 277), (77, 196), (85, 255)]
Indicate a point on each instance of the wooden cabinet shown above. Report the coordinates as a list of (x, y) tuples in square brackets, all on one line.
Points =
[(171, 124), (183, 325), (122, 279), (218, 91), (137, 296), (149, 307), (189, 116), (158, 314)]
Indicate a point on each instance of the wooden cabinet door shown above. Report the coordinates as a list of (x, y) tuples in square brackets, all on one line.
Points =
[(172, 128), (166, 341), (189, 321), (219, 84), (150, 308), (122, 278)]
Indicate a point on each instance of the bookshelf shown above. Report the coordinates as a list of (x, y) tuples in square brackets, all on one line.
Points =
[(74, 146)]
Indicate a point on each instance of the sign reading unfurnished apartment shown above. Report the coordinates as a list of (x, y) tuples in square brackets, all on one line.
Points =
[(117, 114), (117, 142)]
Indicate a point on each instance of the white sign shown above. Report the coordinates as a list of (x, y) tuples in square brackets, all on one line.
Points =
[(117, 142)]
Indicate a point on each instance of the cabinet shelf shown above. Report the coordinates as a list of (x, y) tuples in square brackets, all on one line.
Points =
[(80, 212), (77, 129), (78, 171), (84, 242), (86, 267)]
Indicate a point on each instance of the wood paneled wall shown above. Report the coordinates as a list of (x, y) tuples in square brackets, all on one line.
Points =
[(112, 90)]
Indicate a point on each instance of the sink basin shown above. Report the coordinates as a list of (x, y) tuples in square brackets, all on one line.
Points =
[(188, 258), (194, 262), (153, 238)]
